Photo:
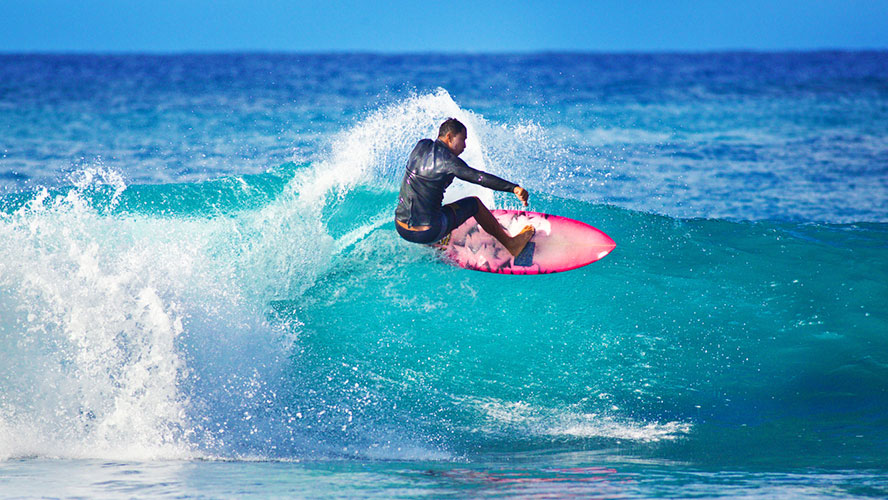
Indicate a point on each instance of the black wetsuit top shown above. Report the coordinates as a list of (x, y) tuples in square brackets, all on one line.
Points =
[(430, 169)]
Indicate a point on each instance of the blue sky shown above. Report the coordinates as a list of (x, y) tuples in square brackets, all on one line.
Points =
[(457, 26)]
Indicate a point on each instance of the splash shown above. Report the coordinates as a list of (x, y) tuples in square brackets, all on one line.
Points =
[(91, 320), (276, 316), (524, 419), (141, 333)]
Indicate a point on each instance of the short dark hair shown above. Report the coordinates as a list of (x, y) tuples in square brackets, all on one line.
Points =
[(453, 126)]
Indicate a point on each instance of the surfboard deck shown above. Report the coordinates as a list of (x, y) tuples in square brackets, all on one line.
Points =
[(560, 244)]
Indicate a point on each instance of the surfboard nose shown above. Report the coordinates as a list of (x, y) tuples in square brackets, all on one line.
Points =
[(603, 253), (609, 243), (603, 244)]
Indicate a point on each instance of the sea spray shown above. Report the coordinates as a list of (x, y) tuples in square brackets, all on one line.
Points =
[(91, 324), (278, 316)]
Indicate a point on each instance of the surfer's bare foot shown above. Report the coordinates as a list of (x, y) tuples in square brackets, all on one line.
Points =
[(520, 240)]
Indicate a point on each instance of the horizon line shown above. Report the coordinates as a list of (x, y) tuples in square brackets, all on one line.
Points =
[(65, 52)]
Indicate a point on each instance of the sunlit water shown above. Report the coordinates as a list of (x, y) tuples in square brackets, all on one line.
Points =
[(202, 294)]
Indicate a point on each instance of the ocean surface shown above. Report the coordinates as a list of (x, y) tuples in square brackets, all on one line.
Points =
[(202, 293)]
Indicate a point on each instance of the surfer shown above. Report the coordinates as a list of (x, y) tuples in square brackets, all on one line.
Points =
[(432, 165)]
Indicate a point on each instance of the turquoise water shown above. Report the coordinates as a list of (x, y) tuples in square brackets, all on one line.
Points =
[(202, 294)]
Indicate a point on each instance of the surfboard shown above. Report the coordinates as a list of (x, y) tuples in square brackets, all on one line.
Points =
[(559, 244)]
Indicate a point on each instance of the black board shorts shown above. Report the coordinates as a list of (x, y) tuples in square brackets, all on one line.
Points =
[(449, 218)]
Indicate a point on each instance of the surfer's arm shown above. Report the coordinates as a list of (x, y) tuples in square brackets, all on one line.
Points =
[(461, 170)]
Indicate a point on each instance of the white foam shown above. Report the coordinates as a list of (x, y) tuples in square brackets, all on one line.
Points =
[(101, 314), (525, 419), (98, 333), (145, 335)]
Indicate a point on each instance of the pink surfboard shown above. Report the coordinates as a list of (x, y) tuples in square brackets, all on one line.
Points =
[(559, 244)]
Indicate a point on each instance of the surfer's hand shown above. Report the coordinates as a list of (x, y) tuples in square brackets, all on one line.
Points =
[(522, 194)]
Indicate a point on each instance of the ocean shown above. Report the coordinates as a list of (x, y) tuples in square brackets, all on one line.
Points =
[(202, 294)]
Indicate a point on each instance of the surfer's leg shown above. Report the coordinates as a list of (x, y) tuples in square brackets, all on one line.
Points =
[(514, 244), (460, 211)]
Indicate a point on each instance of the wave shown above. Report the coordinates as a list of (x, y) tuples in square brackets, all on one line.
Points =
[(279, 315)]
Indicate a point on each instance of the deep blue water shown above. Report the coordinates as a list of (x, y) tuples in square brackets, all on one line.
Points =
[(201, 292)]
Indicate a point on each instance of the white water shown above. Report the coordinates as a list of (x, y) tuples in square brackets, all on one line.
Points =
[(147, 335)]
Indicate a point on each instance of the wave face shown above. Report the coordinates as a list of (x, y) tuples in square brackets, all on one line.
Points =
[(279, 315)]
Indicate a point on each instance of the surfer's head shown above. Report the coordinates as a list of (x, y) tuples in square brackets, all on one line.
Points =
[(453, 133)]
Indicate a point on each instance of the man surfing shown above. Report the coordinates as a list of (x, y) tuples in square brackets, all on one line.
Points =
[(432, 165)]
